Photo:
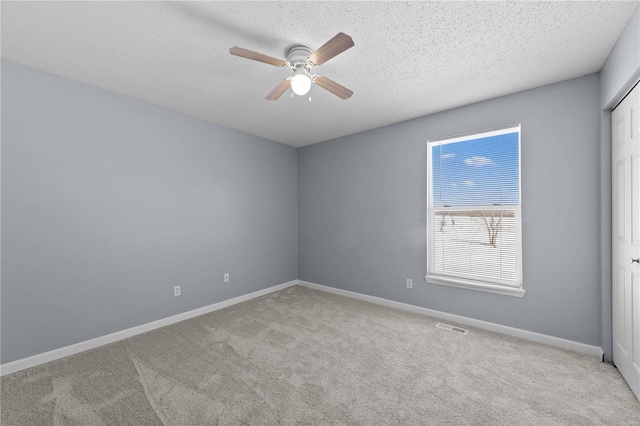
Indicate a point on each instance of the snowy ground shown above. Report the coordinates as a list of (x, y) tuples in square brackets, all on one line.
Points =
[(462, 245)]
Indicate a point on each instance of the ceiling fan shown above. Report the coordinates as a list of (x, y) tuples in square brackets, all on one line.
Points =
[(302, 60)]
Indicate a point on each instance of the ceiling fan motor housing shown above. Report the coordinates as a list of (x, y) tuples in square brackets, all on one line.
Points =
[(297, 55)]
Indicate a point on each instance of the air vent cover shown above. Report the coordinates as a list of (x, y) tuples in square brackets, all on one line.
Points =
[(452, 328)]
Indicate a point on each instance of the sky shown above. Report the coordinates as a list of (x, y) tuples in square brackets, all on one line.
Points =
[(477, 172)]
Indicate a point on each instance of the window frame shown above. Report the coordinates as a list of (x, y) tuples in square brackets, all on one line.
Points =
[(499, 286)]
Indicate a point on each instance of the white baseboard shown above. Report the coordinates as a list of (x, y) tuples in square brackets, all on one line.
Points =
[(32, 361), (498, 328)]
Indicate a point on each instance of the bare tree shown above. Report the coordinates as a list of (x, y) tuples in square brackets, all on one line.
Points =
[(492, 220), (493, 225), (443, 221)]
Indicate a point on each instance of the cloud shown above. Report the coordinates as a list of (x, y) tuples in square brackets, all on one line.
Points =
[(449, 155), (453, 184), (469, 183), (478, 161)]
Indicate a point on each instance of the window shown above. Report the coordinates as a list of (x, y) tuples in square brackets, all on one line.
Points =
[(474, 233)]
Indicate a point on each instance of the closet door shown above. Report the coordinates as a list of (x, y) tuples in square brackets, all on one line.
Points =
[(625, 127)]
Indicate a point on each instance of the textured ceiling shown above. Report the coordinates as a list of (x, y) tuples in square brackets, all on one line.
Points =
[(410, 58)]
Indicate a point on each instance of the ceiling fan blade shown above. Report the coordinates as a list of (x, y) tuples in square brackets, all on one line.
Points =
[(250, 54), (279, 90), (333, 87), (338, 44)]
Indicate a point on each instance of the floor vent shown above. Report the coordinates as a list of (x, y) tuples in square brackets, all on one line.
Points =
[(452, 328)]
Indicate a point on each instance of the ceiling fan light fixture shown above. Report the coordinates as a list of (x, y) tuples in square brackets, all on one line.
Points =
[(300, 82)]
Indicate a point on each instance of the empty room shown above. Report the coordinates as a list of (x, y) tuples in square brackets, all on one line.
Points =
[(320, 213)]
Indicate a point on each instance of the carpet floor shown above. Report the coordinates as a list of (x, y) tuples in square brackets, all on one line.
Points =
[(301, 356)]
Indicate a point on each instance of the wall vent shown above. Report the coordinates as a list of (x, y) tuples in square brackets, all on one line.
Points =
[(452, 328)]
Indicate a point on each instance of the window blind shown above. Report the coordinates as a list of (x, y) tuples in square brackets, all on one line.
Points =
[(474, 207)]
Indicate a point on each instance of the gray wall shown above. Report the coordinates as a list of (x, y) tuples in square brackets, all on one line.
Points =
[(107, 203), (362, 209), (620, 71), (621, 68)]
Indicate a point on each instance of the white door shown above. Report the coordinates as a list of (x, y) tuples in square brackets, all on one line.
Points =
[(625, 128)]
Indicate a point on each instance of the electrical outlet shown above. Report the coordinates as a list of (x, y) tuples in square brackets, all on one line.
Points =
[(409, 283), (176, 291), (226, 277)]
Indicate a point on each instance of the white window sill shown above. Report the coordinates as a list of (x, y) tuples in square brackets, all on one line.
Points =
[(460, 283)]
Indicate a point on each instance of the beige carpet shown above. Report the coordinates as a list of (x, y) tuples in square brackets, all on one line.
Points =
[(301, 356)]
